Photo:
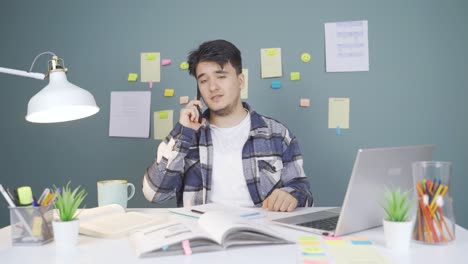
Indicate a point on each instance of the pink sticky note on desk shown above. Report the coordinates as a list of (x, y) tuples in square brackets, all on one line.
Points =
[(332, 238), (186, 247), (165, 62)]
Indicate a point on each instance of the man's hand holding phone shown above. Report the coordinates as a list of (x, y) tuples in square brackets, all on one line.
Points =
[(189, 115)]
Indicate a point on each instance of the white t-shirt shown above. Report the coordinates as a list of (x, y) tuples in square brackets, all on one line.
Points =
[(228, 185)]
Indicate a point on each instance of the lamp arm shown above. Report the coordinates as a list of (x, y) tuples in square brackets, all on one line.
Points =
[(29, 74), (34, 75)]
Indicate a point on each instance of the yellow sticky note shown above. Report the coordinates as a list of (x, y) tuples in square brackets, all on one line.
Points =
[(271, 52), (183, 99), (184, 65), (312, 250), (163, 114), (335, 242), (168, 92), (308, 238), (150, 67), (245, 90), (305, 57), (295, 76), (271, 65), (338, 113), (150, 56), (132, 77), (163, 123), (309, 243)]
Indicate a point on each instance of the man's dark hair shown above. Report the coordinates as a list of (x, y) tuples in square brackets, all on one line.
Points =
[(219, 51)]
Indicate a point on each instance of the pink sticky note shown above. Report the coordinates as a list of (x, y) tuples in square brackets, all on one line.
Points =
[(332, 238), (165, 62), (186, 247), (316, 261), (151, 84)]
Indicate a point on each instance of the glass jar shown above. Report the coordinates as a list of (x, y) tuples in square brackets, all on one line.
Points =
[(435, 218)]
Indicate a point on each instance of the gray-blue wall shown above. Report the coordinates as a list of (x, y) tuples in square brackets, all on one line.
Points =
[(414, 93)]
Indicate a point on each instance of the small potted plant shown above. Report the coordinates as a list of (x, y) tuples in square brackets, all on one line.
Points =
[(67, 228), (397, 225)]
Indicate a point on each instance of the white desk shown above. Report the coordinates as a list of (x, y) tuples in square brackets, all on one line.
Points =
[(114, 251)]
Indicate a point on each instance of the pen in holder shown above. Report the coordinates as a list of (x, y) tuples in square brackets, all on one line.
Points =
[(31, 226), (435, 218)]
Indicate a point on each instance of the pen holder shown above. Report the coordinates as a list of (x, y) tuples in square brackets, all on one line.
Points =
[(435, 218), (31, 226)]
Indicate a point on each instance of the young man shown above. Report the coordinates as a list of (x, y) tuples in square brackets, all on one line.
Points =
[(235, 155)]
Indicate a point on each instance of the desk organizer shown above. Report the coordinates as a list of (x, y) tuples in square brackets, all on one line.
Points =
[(435, 218), (31, 226)]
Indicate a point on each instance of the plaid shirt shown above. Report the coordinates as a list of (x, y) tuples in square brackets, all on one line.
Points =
[(271, 159)]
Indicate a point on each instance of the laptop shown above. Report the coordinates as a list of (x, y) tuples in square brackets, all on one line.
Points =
[(373, 170)]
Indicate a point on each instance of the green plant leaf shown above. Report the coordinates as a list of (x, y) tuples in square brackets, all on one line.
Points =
[(68, 201)]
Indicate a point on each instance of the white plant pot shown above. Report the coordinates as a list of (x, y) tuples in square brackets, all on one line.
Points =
[(66, 233), (398, 234)]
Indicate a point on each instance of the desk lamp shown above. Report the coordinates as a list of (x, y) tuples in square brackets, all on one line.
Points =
[(60, 100)]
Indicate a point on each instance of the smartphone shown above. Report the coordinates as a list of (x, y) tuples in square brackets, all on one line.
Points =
[(198, 108)]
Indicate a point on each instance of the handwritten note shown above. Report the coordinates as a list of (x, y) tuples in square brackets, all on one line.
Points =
[(271, 62), (130, 114), (346, 46), (338, 113), (150, 67), (163, 123)]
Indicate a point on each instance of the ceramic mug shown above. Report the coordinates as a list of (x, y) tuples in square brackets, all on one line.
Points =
[(114, 192)]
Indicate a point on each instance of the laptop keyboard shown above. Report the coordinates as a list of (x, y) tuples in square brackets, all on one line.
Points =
[(328, 224)]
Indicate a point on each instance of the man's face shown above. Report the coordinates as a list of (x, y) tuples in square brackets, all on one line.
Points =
[(219, 86)]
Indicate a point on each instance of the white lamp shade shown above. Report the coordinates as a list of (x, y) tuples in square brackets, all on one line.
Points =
[(60, 101)]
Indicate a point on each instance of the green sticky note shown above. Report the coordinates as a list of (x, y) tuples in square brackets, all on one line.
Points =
[(163, 114), (132, 77), (150, 56), (295, 76), (184, 65), (308, 238)]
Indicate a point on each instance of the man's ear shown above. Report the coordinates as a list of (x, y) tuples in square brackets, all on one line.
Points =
[(241, 78)]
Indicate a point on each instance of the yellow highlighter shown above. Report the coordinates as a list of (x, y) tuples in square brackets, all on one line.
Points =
[(25, 196)]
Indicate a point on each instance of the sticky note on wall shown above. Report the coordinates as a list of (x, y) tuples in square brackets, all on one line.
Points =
[(271, 64), (163, 123), (150, 67), (276, 84), (168, 92), (150, 56), (132, 77), (295, 76), (304, 102), (338, 113), (163, 114), (184, 65), (165, 62), (183, 99)]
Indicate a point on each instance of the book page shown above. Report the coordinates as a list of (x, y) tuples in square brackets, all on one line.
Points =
[(197, 210), (152, 240), (92, 213), (112, 221)]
